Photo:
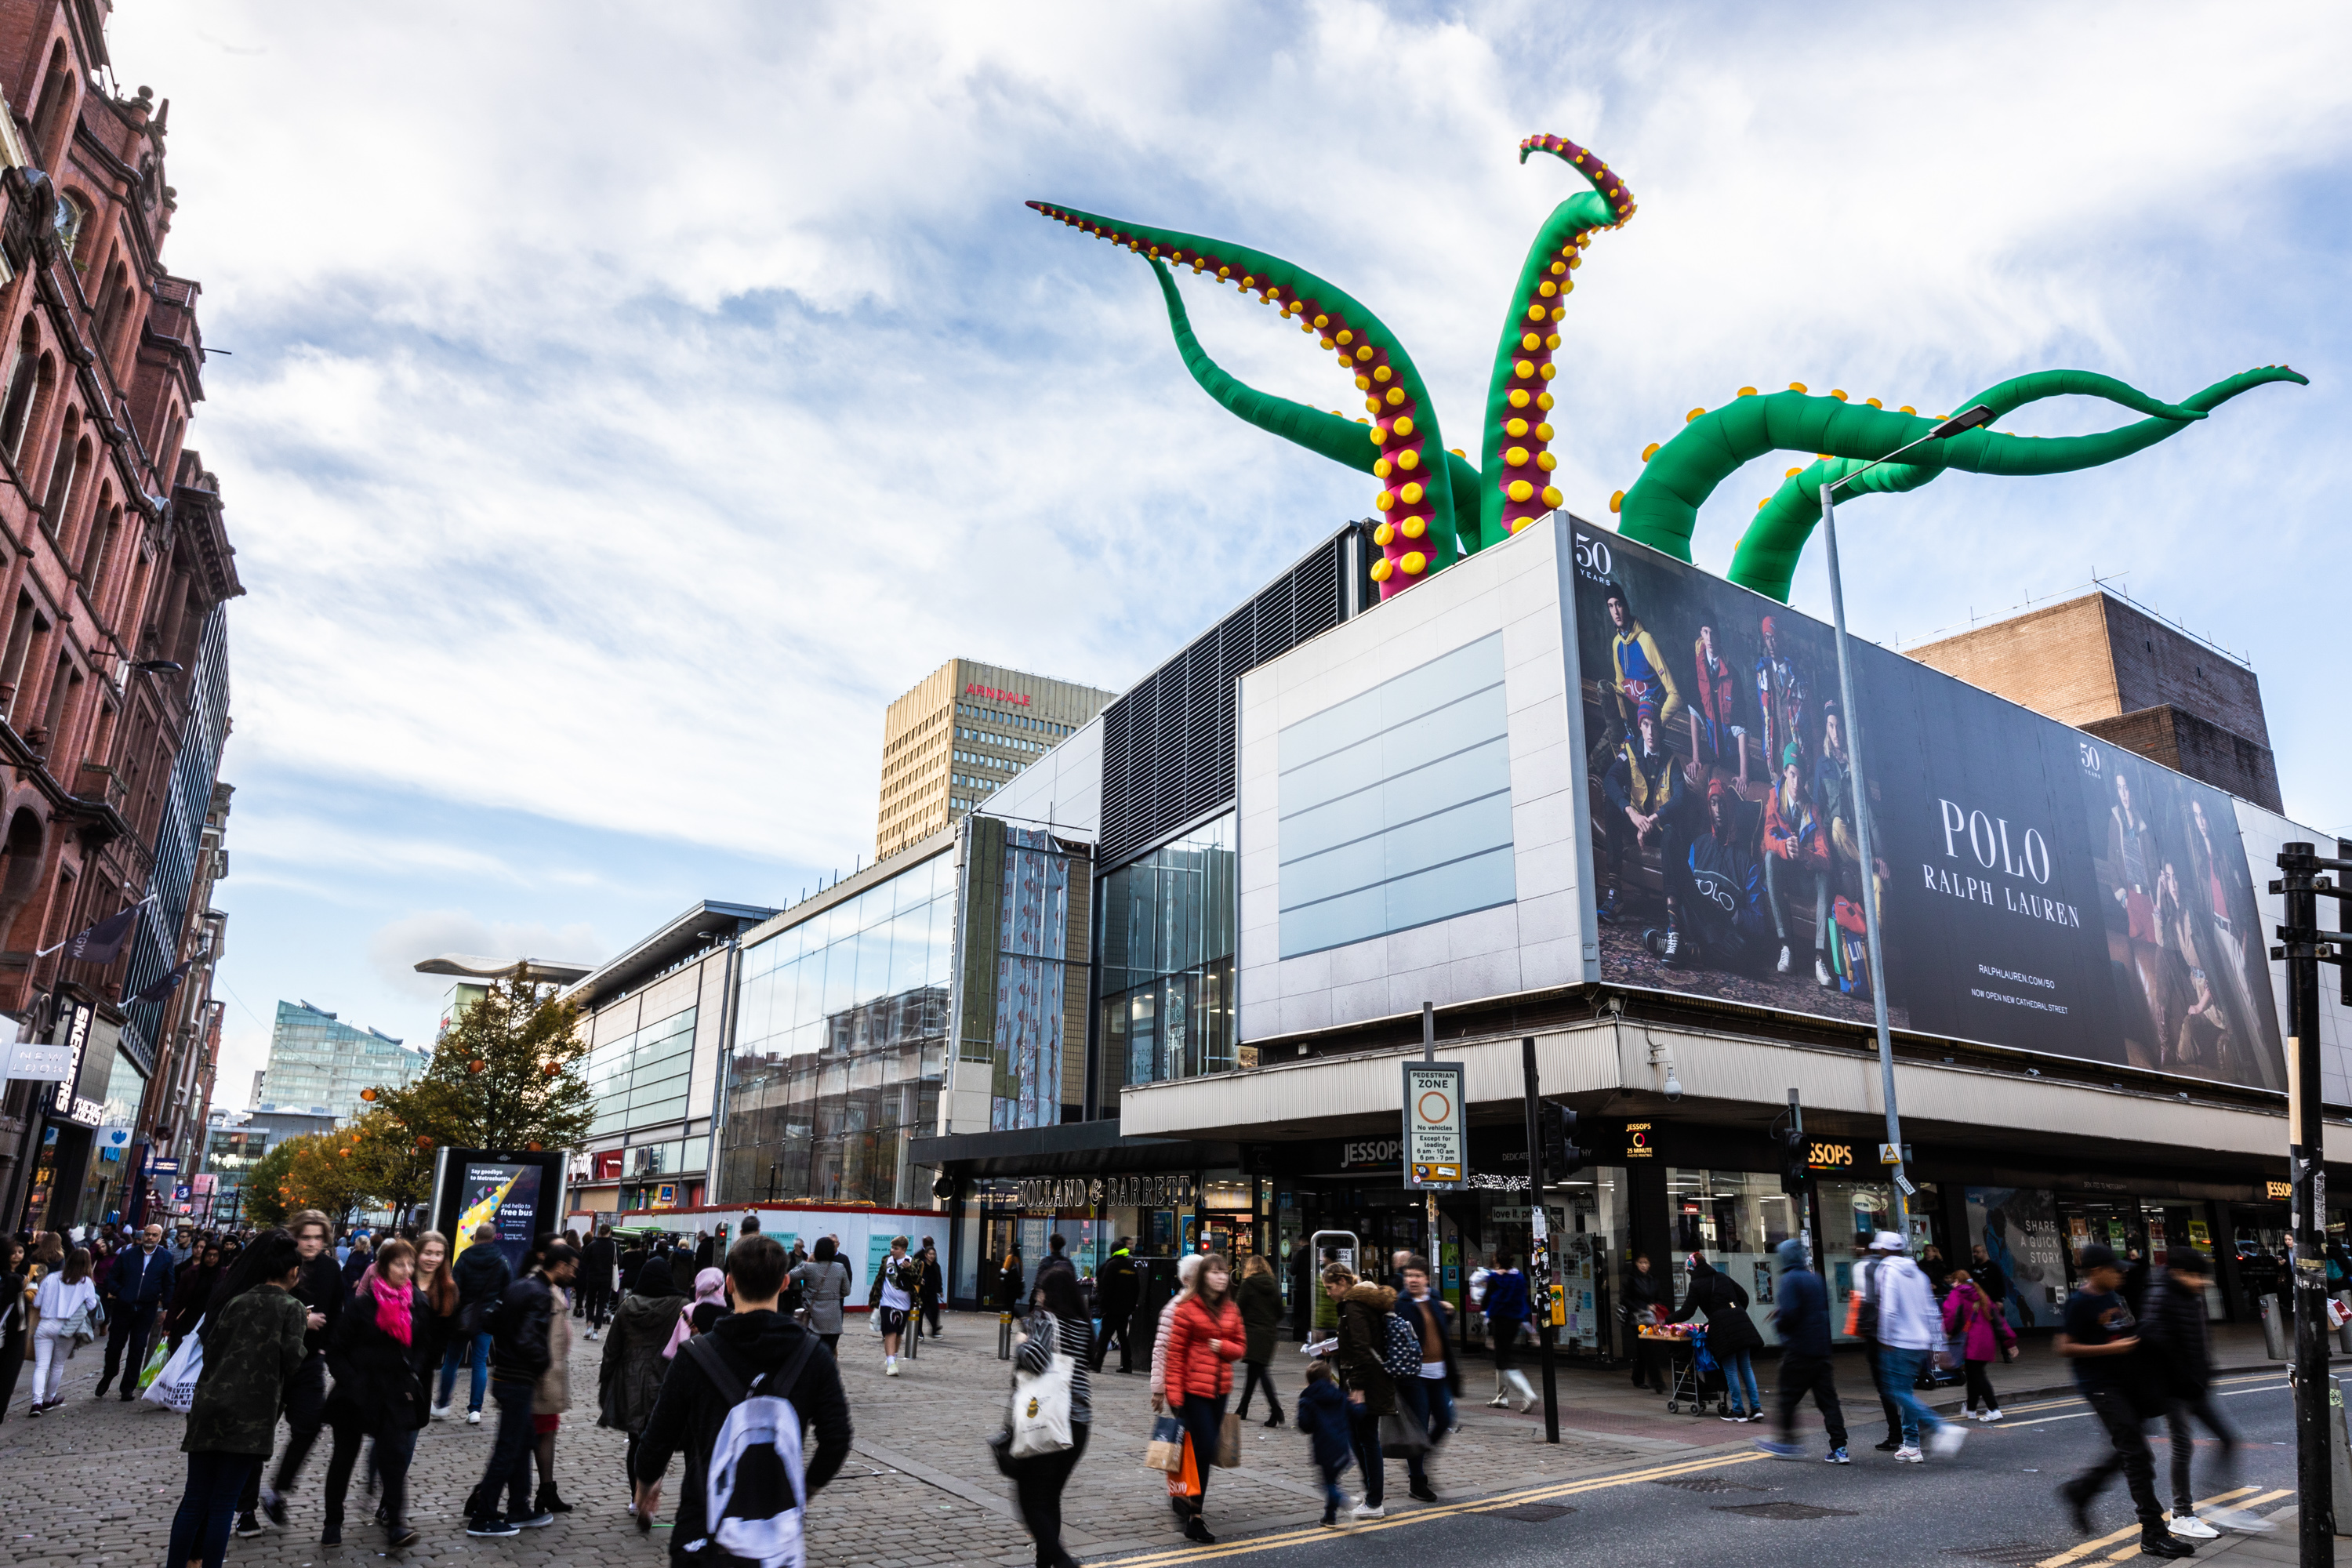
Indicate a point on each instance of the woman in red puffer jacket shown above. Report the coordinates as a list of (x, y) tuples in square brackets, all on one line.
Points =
[(1204, 1339)]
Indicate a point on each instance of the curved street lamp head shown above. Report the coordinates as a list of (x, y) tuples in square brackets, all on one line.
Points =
[(1960, 424)]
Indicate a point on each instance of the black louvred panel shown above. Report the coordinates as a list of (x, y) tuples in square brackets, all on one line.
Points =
[(1167, 743)]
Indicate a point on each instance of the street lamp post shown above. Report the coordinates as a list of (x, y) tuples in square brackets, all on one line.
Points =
[(1966, 420)]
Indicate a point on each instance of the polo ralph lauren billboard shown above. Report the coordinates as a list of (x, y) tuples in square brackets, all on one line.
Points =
[(2043, 890)]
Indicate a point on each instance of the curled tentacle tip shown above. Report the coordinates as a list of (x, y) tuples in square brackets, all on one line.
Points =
[(1617, 501)]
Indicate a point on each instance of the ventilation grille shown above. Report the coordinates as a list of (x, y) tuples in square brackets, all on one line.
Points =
[(1167, 743)]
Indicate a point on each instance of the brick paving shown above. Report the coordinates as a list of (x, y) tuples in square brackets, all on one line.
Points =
[(103, 1479)]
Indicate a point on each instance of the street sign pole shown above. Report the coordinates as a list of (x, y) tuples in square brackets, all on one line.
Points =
[(1541, 1264)]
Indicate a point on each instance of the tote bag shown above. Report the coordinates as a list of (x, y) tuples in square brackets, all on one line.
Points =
[(1040, 1410), (174, 1387), (1166, 1450)]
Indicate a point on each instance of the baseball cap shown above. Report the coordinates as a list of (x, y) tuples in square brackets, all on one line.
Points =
[(1887, 1241), (2095, 1256)]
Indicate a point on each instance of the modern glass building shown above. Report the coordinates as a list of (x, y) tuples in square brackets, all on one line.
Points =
[(841, 1046), (1166, 948), (318, 1064)]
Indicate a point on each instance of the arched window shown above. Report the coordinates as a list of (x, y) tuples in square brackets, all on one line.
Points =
[(54, 111), (42, 382), (19, 406), (111, 311), (102, 540), (73, 215), (72, 453)]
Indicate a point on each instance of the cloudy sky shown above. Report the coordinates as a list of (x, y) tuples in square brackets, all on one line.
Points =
[(625, 402)]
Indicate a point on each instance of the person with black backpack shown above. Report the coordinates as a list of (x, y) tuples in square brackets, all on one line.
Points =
[(736, 1403), (520, 1354), (1361, 1357)]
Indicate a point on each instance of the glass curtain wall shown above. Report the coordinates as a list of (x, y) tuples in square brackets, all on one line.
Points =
[(1168, 963), (639, 1079), (841, 1048)]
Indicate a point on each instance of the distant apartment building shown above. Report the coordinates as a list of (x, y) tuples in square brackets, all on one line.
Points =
[(964, 732), (318, 1064)]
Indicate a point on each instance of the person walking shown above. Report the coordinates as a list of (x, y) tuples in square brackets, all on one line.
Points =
[(1506, 1303), (1801, 1312), (757, 1350), (137, 1289), (935, 1287), (1863, 1306), (15, 1312), (67, 1304), (382, 1356), (551, 1398), (192, 1290), (825, 1285), (892, 1297), (598, 1261), (1360, 1358), (1058, 1324), (2101, 1337), (256, 1340), (1988, 1276), (629, 1378), (320, 1291), (1260, 1301), (1908, 1329), (1984, 1334), (1732, 1337), (1115, 1298), (1645, 1303), (1323, 1416), (482, 1277), (632, 1258), (1012, 1289), (2182, 1369), (1205, 1337), (519, 1357), (356, 1261), (1430, 1394)]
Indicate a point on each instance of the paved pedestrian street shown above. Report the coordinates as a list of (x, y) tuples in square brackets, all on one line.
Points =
[(97, 1481)]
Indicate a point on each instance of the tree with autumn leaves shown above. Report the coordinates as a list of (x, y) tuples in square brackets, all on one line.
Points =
[(509, 1074)]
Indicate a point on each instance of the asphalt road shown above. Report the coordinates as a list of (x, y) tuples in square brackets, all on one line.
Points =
[(1991, 1504)]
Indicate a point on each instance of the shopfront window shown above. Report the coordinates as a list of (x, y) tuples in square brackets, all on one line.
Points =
[(1734, 1219), (1167, 1007), (841, 1048)]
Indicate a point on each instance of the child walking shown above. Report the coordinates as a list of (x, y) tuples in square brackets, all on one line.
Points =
[(1323, 1416)]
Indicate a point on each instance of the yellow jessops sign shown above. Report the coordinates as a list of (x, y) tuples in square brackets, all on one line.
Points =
[(1436, 1140)]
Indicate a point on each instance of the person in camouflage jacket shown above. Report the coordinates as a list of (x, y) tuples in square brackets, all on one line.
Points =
[(252, 1343)]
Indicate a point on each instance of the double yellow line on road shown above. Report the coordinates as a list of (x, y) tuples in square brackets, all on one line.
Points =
[(1544, 1493), (2077, 1554)]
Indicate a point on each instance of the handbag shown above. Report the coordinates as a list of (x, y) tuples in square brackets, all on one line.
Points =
[(1166, 1449), (1229, 1443), (1402, 1436)]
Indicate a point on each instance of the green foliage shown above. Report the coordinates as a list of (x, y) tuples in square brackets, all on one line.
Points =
[(266, 1202), (511, 1073)]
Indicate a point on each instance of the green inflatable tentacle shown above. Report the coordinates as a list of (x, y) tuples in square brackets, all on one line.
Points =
[(1523, 356), (1662, 509), (1408, 454)]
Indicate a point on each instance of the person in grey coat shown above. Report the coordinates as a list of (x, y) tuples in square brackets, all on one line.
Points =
[(824, 1284), (629, 1379)]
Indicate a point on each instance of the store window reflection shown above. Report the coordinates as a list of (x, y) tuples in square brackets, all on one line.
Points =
[(1167, 1007), (841, 1048), (1736, 1219)]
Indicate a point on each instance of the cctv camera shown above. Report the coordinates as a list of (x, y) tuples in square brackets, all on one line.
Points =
[(1674, 1089)]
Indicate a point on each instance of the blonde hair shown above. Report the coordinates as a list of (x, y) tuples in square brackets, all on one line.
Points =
[(1338, 1274), (1256, 1265)]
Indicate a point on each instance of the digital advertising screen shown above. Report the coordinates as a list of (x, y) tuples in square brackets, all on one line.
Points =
[(515, 1195), (2042, 889)]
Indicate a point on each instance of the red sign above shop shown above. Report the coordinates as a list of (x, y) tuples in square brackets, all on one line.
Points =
[(1018, 698)]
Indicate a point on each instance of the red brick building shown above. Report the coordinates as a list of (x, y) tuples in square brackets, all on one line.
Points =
[(113, 669)]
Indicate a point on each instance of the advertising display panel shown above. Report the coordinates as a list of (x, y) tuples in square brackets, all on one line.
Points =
[(518, 1194), (2043, 890)]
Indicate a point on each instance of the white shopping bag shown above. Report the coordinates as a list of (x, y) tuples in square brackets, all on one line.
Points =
[(174, 1387), (1040, 1410)]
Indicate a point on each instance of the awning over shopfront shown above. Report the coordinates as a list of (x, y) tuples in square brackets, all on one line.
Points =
[(1071, 1147)]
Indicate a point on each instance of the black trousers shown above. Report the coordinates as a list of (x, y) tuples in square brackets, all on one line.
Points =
[(1203, 1419), (1038, 1489), (2176, 1413), (1114, 1328), (1893, 1411), (1980, 1386), (1803, 1374), (2128, 1452), (1255, 1377), (393, 1450), (931, 1314), (12, 1361), (1649, 1364), (510, 1465), (132, 1330), (1364, 1436), (306, 1411), (200, 1529)]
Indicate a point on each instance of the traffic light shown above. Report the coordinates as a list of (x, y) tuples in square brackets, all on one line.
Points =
[(1556, 1125), (1794, 1171)]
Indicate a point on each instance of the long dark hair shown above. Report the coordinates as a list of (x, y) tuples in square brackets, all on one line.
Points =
[(273, 1252), (76, 1265), (1198, 1290)]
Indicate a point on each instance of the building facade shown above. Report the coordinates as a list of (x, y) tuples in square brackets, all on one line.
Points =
[(963, 731), (233, 1142), (319, 1065), (113, 659)]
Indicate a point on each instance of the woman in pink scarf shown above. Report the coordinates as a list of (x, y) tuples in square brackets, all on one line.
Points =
[(384, 1341), (710, 1305)]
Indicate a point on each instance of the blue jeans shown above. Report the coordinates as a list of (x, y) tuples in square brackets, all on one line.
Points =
[(1738, 1373), (208, 1505), (1897, 1370), (476, 1351)]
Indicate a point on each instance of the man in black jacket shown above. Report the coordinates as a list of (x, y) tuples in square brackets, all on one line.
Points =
[(596, 1264), (482, 1275), (319, 1290), (1115, 1294), (519, 1353), (2173, 1330), (137, 1287), (687, 1417)]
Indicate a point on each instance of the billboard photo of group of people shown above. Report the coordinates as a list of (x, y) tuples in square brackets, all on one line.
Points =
[(2040, 889)]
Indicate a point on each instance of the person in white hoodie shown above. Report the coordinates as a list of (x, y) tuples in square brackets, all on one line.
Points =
[(1909, 1327), (1186, 1266)]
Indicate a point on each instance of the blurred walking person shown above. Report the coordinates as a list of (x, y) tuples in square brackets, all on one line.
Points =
[(1909, 1327), (320, 1291), (2182, 1364), (137, 1289), (15, 1312), (1360, 1358), (2101, 1337), (550, 1400), (1260, 1301), (824, 1284), (629, 1378), (382, 1356), (519, 1357), (1802, 1311), (255, 1341), (1983, 1330), (1506, 1314), (482, 1275), (66, 1302), (1038, 1486), (1205, 1337)]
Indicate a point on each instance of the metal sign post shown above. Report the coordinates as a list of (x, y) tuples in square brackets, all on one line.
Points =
[(1540, 1265)]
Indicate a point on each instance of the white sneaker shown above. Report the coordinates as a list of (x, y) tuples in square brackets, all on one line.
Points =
[(592, 1336), (1782, 967), (2188, 1527), (473, 1418), (1909, 1456), (1990, 1416), (1372, 1511), (1821, 974), (1945, 1441), (440, 1412), (890, 1366), (2237, 1519)]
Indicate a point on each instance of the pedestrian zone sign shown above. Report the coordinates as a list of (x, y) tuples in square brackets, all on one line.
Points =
[(1435, 1141)]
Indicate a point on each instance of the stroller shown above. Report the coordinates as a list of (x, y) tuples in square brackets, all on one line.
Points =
[(1697, 1376)]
